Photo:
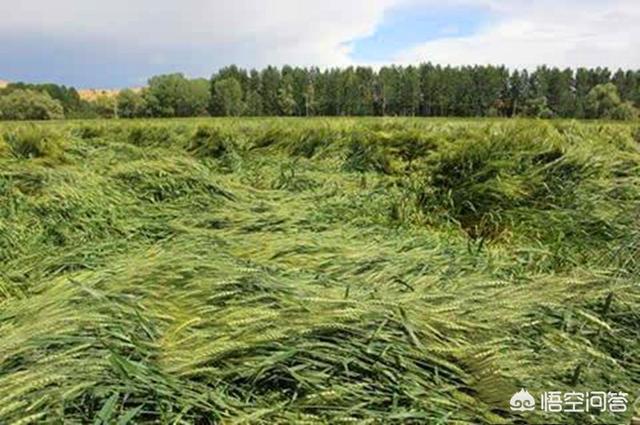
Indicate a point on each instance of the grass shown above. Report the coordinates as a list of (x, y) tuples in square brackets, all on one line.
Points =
[(316, 271)]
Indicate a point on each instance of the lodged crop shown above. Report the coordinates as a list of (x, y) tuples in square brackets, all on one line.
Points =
[(269, 271)]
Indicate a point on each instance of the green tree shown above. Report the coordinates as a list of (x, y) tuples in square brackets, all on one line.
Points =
[(409, 91), (310, 102), (105, 106), (270, 78), (173, 95), (538, 107), (198, 98), (253, 99), (228, 97), (130, 104), (286, 101), (582, 87), (254, 104), (67, 96), (30, 105), (390, 95), (603, 101), (625, 111)]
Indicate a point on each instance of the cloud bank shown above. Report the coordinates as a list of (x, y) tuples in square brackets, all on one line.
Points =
[(121, 42), (524, 34)]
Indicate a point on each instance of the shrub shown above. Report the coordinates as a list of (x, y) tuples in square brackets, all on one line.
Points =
[(30, 105), (603, 101), (624, 112), (130, 104)]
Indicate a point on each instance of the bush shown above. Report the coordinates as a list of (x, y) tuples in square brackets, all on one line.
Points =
[(603, 101), (624, 112), (30, 105), (130, 104), (104, 106)]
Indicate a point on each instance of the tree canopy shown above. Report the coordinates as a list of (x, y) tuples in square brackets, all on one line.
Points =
[(25, 104), (227, 97), (424, 90)]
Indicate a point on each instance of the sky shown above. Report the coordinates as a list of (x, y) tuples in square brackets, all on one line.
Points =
[(119, 43)]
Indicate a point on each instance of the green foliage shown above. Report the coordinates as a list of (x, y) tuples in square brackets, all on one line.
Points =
[(538, 108), (604, 101), (29, 105), (130, 104), (105, 106), (227, 98), (142, 282), (423, 90), (286, 101), (67, 96), (173, 95), (625, 111), (254, 104)]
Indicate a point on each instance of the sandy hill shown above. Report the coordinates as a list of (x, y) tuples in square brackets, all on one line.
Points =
[(88, 94), (93, 94)]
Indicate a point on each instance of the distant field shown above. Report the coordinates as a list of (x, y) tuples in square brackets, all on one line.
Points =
[(316, 271)]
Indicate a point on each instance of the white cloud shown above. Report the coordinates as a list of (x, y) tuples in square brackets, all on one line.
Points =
[(276, 31), (115, 42), (529, 33)]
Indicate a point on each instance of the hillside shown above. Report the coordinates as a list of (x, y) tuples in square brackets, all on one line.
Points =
[(93, 94), (316, 271)]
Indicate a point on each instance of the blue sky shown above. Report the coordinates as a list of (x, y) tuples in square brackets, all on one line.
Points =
[(92, 43), (412, 25)]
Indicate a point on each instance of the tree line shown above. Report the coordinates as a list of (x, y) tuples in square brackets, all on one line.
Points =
[(425, 90)]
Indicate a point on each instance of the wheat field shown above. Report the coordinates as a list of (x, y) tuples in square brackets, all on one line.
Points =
[(312, 271)]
